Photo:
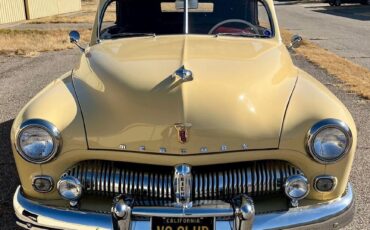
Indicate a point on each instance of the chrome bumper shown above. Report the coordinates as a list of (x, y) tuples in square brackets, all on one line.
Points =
[(327, 215)]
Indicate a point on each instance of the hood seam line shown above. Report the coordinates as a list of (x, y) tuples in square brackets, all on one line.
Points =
[(286, 110)]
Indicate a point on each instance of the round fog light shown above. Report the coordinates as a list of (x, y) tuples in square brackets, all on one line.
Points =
[(42, 183), (325, 183), (69, 188), (296, 188)]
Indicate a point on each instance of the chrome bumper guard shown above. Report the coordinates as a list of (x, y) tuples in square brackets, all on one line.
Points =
[(326, 215)]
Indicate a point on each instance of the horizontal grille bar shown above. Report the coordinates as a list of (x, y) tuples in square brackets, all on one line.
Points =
[(155, 184)]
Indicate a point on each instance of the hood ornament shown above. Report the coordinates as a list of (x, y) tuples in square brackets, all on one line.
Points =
[(183, 132), (183, 74)]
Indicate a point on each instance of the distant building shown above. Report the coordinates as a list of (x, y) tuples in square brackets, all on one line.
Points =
[(18, 10)]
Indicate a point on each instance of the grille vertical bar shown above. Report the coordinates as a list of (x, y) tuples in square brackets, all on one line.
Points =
[(154, 184)]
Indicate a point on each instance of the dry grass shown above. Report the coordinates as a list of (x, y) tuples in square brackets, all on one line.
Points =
[(86, 17), (32, 42), (355, 77), (89, 7)]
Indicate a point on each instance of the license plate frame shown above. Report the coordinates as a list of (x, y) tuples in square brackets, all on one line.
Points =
[(182, 223)]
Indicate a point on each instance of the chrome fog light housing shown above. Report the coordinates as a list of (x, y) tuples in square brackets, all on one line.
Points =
[(70, 188), (296, 188), (325, 183), (38, 141), (42, 184), (329, 140)]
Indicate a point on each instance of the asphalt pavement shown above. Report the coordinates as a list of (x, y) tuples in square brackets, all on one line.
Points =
[(21, 78), (343, 30)]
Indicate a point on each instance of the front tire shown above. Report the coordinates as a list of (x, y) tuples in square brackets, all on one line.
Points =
[(337, 2), (331, 3)]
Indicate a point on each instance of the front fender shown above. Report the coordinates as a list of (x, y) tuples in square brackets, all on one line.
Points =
[(310, 103), (57, 103)]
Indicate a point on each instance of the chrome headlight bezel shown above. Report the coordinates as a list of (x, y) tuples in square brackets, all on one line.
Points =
[(293, 179), (322, 125), (46, 126), (71, 181)]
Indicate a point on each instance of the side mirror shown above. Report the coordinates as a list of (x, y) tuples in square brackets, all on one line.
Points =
[(296, 41), (74, 37)]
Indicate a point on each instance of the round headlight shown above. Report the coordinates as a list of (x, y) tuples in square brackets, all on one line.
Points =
[(38, 141), (296, 187), (69, 188), (329, 140)]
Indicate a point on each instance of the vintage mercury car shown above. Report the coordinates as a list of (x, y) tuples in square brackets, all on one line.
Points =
[(184, 115)]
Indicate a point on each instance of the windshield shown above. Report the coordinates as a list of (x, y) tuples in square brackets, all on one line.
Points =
[(247, 18)]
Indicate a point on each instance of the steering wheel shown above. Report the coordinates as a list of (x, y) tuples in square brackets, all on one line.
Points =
[(253, 27)]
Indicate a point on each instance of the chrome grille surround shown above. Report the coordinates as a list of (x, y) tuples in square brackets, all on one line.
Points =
[(153, 185)]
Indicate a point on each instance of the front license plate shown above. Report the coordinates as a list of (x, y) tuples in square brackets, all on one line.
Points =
[(171, 223)]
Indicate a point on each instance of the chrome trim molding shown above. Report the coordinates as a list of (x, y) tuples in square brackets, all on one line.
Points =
[(324, 124), (326, 215), (333, 178), (48, 127)]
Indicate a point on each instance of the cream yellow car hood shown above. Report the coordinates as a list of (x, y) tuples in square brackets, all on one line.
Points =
[(237, 98)]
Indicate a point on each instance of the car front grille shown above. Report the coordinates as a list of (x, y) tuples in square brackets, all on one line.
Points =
[(154, 184)]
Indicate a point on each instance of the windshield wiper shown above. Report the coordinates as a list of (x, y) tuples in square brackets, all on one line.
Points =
[(123, 35), (242, 35)]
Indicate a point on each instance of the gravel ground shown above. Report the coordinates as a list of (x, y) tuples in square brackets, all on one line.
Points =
[(21, 78)]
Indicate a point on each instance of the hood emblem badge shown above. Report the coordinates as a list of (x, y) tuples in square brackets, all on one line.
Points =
[(183, 74), (183, 132)]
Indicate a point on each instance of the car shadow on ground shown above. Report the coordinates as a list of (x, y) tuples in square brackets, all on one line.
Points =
[(357, 12), (8, 178), (287, 2)]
